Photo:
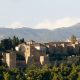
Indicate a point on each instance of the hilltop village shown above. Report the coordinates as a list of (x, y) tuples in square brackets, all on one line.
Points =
[(32, 52)]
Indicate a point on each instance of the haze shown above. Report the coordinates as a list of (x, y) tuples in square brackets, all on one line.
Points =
[(48, 14)]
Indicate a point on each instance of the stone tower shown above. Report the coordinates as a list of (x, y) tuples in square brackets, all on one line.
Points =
[(11, 59), (35, 53)]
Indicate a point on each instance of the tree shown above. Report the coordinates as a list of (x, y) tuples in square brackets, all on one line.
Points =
[(22, 40), (6, 76), (15, 41), (6, 44), (73, 39)]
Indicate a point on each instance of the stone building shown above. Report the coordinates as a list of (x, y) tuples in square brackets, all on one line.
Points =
[(37, 53), (61, 50), (34, 53), (10, 59)]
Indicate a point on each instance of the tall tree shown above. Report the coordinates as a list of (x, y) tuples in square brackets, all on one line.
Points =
[(73, 39), (22, 40), (6, 44), (15, 41)]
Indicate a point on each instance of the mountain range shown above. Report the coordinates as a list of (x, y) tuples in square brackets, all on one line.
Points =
[(42, 35)]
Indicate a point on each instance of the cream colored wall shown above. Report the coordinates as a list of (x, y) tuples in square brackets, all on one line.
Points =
[(8, 59), (41, 60), (11, 60), (27, 52)]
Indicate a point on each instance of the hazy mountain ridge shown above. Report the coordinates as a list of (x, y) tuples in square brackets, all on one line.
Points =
[(41, 34)]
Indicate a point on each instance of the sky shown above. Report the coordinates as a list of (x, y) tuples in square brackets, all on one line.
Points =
[(48, 14)]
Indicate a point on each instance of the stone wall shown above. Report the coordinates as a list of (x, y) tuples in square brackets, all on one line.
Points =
[(11, 59)]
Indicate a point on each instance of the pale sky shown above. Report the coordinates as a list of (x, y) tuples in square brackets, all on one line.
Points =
[(39, 13)]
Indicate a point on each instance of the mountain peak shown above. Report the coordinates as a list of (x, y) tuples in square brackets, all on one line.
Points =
[(47, 24), (15, 25), (42, 35), (65, 22)]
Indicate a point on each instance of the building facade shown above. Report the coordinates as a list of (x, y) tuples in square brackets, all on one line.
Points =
[(31, 52)]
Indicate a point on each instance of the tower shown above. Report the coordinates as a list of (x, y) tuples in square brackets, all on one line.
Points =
[(11, 59)]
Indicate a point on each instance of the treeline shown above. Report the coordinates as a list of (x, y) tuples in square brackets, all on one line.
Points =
[(46, 72), (10, 43)]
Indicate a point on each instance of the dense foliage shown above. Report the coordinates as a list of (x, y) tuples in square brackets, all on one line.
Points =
[(9, 44), (47, 72), (62, 71), (73, 39)]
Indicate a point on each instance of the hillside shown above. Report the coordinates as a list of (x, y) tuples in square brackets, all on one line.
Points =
[(41, 34)]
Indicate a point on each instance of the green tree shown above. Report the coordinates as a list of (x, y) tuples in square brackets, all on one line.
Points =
[(15, 41), (6, 44), (73, 39), (6, 76), (22, 40)]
